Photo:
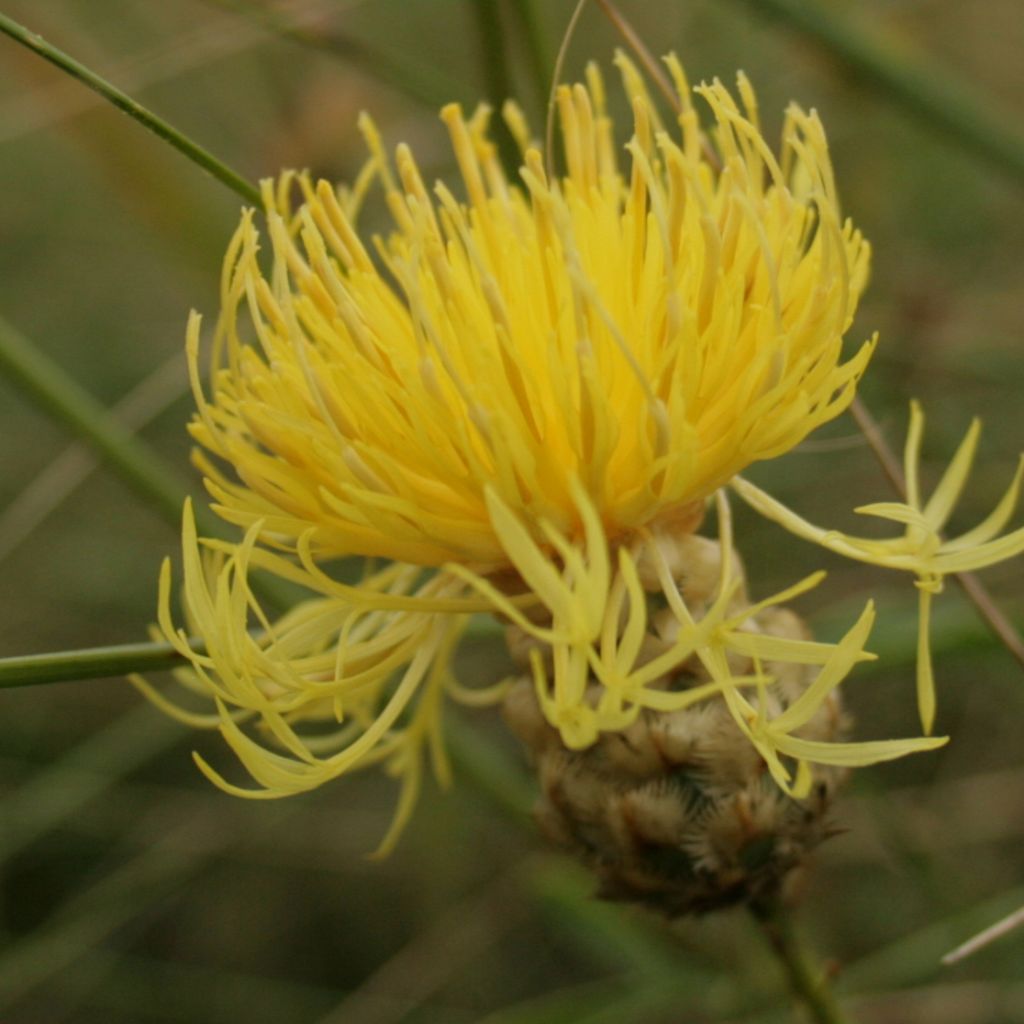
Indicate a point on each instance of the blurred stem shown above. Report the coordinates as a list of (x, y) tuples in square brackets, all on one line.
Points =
[(90, 663), (124, 102), (130, 458), (930, 94), (65, 399), (488, 767), (807, 981), (497, 75), (538, 54), (52, 486)]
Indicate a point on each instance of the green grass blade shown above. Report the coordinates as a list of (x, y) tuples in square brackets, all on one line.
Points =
[(124, 102), (60, 395), (539, 57), (916, 958), (496, 70), (56, 792), (66, 400), (57, 481), (490, 768), (89, 663), (134, 461)]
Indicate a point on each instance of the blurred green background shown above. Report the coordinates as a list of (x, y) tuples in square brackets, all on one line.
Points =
[(130, 890)]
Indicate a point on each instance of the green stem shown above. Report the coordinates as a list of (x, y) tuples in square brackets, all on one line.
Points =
[(102, 662), (807, 981), (89, 663), (497, 74), (931, 95), (124, 102)]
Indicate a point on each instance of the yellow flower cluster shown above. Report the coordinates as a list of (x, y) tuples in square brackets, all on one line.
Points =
[(513, 397)]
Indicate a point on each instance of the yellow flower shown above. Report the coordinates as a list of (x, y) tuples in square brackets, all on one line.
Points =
[(644, 335), (512, 397)]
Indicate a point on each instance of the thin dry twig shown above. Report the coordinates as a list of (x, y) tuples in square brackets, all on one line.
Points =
[(643, 54), (654, 69), (556, 77), (985, 938)]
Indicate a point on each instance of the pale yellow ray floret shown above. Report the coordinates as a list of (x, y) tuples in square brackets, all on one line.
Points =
[(356, 676), (774, 736), (920, 549), (350, 678)]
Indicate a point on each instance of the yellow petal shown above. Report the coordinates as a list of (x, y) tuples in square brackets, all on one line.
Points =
[(912, 454), (844, 656), (944, 498), (995, 521), (857, 755)]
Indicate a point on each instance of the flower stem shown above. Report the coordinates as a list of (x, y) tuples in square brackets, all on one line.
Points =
[(118, 660), (807, 980), (124, 102)]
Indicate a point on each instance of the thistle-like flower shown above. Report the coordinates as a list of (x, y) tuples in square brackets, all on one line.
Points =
[(521, 400)]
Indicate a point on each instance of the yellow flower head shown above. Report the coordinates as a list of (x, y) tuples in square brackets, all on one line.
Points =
[(513, 398), (629, 337)]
